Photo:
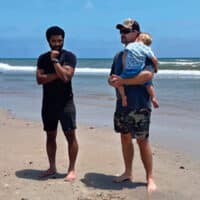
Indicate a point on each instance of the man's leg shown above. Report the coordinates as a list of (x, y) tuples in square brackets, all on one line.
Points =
[(147, 159), (127, 152), (72, 152), (51, 153)]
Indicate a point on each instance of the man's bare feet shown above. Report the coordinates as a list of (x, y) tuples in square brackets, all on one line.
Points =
[(151, 186), (71, 176), (124, 101), (47, 173), (155, 102), (122, 178)]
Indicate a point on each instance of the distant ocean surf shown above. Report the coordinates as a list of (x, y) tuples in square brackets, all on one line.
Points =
[(167, 67)]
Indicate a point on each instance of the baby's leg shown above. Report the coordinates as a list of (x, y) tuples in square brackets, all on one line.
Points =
[(155, 103), (123, 96), (154, 100), (124, 101)]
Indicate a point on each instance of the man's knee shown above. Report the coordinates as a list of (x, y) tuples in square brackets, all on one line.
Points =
[(51, 135), (126, 138), (142, 141), (70, 135)]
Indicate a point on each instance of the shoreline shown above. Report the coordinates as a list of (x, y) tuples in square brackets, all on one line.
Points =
[(22, 150), (167, 128)]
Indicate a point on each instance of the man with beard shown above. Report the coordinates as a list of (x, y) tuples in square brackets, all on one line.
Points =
[(55, 70), (133, 121)]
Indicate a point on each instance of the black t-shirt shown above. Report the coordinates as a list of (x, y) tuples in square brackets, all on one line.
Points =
[(56, 92)]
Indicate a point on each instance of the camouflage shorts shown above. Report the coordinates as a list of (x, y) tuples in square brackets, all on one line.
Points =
[(135, 121)]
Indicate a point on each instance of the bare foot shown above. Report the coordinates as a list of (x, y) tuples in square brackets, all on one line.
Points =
[(124, 101), (151, 186), (122, 178), (47, 173), (155, 102), (71, 176)]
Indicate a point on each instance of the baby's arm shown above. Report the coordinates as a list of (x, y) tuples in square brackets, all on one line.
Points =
[(155, 63), (150, 55)]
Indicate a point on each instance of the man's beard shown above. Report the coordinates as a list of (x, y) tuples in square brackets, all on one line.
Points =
[(57, 48), (123, 40)]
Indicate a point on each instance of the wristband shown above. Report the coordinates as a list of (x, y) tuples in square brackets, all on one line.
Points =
[(54, 61)]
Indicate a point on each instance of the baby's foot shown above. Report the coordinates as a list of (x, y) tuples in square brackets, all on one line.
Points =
[(124, 101), (155, 102)]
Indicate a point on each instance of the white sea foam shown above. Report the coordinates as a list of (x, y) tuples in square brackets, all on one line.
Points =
[(181, 63), (178, 73), (8, 69), (93, 70)]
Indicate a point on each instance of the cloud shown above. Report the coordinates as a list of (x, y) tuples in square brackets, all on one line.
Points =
[(89, 4)]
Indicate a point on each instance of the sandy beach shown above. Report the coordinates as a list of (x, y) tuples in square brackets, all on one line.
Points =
[(23, 158)]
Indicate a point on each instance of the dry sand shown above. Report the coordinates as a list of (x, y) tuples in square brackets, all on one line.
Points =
[(23, 158)]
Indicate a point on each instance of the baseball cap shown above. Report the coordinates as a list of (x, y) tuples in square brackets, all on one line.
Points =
[(129, 24)]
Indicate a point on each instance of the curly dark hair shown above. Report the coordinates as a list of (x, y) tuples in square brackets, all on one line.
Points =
[(54, 30)]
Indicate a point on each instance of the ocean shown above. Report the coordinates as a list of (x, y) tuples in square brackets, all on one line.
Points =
[(175, 125)]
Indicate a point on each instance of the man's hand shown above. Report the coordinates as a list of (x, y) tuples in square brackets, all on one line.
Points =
[(115, 80), (54, 54)]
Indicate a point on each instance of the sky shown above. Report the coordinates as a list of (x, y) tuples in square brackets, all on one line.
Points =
[(90, 26)]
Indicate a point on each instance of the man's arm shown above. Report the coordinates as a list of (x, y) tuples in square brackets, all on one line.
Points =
[(143, 77), (65, 72), (140, 79), (45, 78)]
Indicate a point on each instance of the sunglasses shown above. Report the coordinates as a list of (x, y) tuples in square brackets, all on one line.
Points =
[(125, 31)]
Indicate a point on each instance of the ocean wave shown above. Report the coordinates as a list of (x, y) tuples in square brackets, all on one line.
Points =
[(178, 74), (179, 63), (93, 70), (8, 69)]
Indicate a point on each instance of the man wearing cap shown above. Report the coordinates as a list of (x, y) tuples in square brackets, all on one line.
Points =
[(133, 120), (55, 70)]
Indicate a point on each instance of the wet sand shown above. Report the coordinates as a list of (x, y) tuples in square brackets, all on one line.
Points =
[(23, 159)]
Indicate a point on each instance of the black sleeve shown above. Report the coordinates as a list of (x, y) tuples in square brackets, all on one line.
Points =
[(112, 71), (112, 68), (68, 58), (40, 63)]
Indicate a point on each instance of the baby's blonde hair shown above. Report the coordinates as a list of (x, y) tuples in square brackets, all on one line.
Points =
[(145, 38)]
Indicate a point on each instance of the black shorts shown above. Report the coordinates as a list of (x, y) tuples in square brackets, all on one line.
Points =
[(66, 114), (136, 122)]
